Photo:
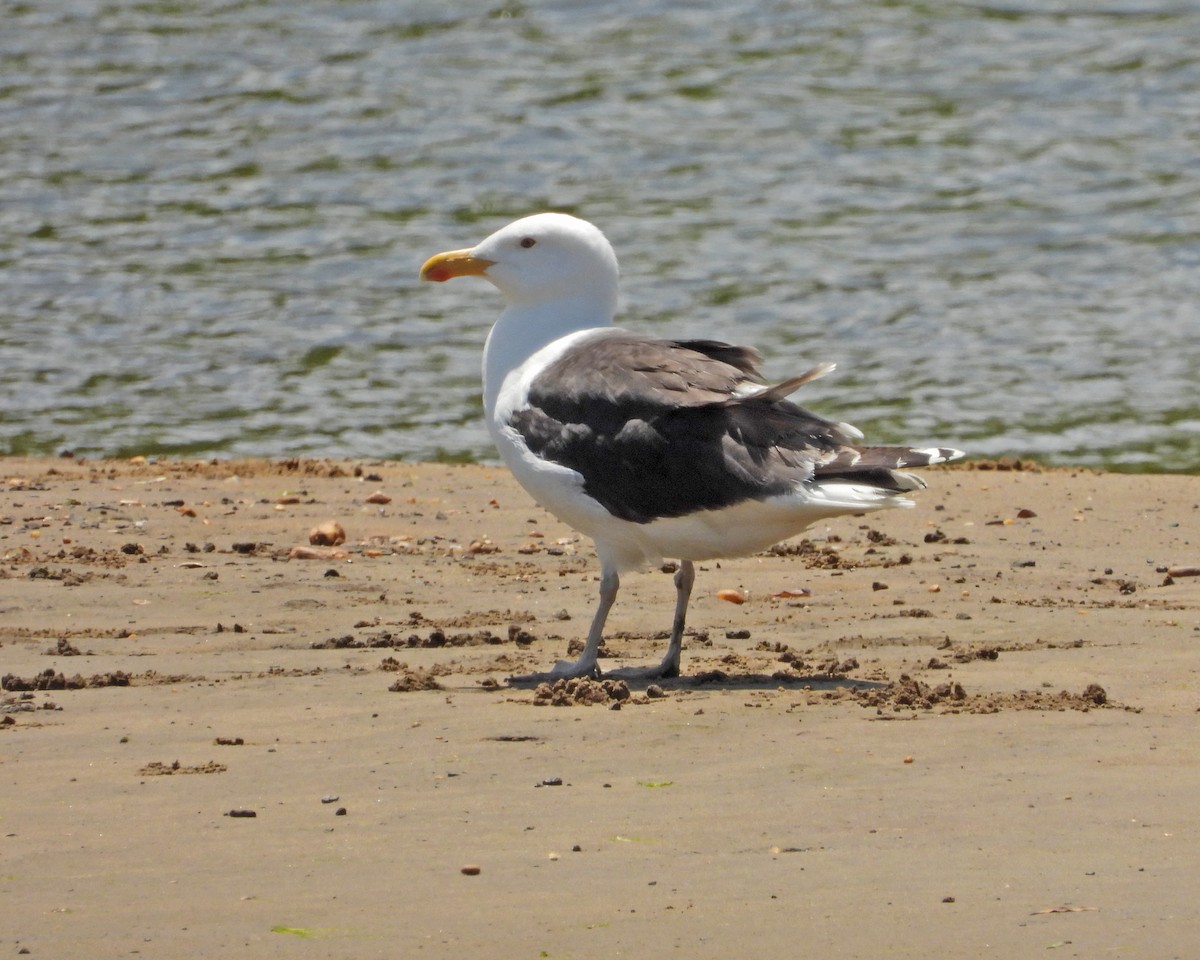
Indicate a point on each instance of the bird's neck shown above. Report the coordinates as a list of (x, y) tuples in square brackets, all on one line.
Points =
[(523, 330)]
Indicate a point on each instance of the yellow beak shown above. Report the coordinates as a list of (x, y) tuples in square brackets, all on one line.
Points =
[(454, 263)]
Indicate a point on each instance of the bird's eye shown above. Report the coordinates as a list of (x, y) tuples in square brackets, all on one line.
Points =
[(528, 242)]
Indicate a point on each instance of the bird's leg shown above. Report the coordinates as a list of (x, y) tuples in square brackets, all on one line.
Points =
[(685, 577), (588, 663)]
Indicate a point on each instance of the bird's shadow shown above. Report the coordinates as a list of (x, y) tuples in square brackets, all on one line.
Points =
[(724, 680)]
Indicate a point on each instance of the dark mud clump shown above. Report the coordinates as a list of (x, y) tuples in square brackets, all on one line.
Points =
[(64, 648), (437, 637), (156, 768), (50, 679)]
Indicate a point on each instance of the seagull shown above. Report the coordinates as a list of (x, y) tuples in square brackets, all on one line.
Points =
[(653, 448)]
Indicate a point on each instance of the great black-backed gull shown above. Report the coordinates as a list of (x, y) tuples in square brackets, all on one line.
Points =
[(653, 448)]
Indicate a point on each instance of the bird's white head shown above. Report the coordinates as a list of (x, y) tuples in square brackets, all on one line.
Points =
[(539, 260)]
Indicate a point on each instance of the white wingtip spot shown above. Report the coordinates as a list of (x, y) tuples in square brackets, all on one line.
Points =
[(939, 454), (851, 431)]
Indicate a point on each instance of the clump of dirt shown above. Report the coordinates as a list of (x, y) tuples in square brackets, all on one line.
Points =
[(69, 577), (813, 556), (966, 655), (830, 668), (156, 768), (580, 691), (78, 554), (153, 678), (475, 618), (913, 612), (437, 637), (1005, 464), (50, 679), (64, 648), (910, 694), (224, 469), (411, 679)]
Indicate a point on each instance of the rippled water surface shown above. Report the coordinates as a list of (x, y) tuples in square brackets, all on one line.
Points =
[(212, 214)]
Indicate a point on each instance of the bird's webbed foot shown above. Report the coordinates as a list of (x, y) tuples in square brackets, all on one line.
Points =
[(562, 670)]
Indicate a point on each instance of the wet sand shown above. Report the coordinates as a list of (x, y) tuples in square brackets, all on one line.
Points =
[(967, 729)]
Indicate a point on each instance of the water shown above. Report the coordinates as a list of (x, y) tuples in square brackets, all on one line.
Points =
[(212, 214)]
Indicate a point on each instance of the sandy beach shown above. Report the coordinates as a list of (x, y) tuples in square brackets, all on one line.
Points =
[(962, 730)]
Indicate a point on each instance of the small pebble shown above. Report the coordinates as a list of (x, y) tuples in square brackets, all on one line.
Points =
[(470, 870), (327, 534)]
